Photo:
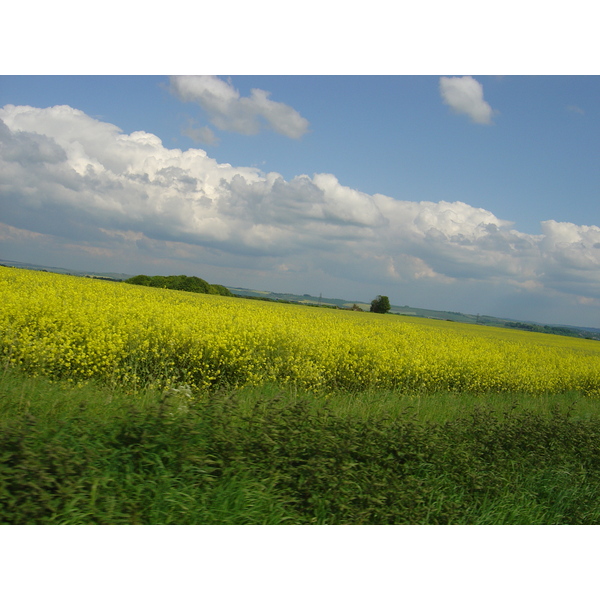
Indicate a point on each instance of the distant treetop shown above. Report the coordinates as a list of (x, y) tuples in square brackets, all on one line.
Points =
[(180, 282), (381, 304)]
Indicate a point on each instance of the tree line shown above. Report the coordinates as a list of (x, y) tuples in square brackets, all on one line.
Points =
[(182, 283)]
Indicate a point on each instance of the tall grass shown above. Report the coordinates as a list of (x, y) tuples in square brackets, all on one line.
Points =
[(92, 455)]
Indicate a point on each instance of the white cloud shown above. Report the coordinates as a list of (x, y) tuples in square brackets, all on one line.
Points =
[(229, 111), (70, 180), (465, 95), (571, 257)]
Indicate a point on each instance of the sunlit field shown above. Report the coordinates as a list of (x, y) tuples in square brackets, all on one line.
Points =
[(77, 329), (122, 404)]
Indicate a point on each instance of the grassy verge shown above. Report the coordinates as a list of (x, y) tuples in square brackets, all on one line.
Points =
[(90, 455)]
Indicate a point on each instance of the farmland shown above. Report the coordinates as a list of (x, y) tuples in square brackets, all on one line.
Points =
[(78, 329), (126, 404)]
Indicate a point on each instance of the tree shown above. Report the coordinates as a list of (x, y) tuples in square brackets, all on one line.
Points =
[(381, 304), (139, 280), (182, 283), (220, 290)]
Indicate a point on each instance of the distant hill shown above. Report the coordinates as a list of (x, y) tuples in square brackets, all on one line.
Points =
[(339, 303), (307, 299), (31, 267)]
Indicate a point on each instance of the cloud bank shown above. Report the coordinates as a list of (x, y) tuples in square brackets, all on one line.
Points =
[(465, 95), (69, 180), (228, 111)]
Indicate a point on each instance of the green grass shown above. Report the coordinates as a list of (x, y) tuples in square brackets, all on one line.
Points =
[(439, 407), (92, 455)]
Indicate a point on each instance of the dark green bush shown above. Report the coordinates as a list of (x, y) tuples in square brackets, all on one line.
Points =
[(180, 282)]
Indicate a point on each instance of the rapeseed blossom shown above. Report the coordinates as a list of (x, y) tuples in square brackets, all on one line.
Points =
[(78, 329)]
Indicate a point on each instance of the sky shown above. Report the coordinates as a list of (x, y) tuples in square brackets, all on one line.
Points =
[(476, 194), (352, 166)]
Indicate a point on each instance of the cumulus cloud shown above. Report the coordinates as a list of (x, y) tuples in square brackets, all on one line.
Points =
[(571, 256), (69, 179), (229, 111), (465, 95)]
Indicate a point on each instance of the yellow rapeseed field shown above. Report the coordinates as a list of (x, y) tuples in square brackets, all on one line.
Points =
[(79, 329)]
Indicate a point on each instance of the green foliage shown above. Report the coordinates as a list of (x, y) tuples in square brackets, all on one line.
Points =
[(220, 290), (93, 456), (180, 282), (140, 280), (381, 304)]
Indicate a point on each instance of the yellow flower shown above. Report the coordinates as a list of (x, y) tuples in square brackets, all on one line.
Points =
[(76, 329)]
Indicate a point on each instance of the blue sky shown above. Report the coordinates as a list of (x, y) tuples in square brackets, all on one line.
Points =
[(470, 193)]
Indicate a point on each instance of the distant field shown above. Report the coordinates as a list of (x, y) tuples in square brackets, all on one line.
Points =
[(80, 329)]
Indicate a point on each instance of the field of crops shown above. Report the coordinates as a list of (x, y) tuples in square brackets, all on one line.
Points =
[(79, 329), (344, 417)]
